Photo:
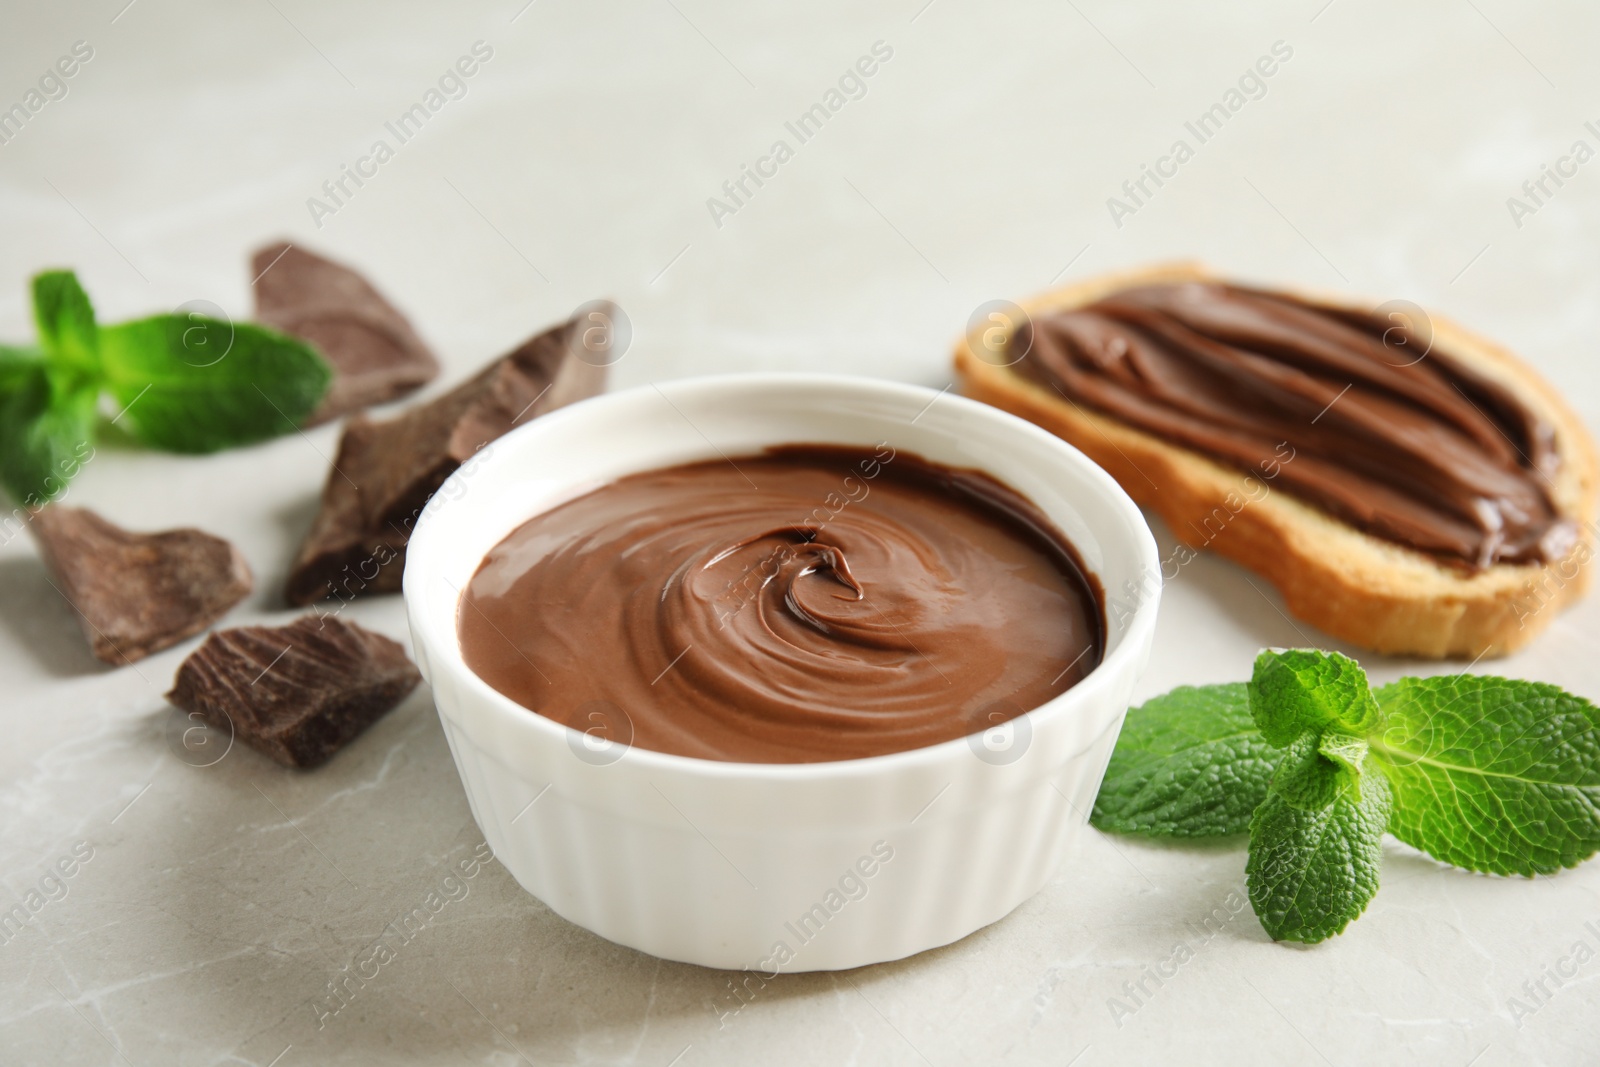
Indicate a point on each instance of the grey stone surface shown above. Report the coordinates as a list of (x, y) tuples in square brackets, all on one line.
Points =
[(220, 901)]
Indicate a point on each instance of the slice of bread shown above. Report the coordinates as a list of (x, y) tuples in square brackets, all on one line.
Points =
[(1370, 592)]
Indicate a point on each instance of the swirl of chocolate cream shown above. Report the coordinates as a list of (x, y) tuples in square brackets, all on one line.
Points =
[(808, 604), (1402, 443)]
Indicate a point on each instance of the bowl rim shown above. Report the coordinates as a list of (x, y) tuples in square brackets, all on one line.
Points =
[(1077, 699)]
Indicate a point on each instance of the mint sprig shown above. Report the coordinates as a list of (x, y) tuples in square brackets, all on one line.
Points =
[(1483, 773), (183, 383)]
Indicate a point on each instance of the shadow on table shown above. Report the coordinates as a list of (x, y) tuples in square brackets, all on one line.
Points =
[(310, 871), (1251, 601), (43, 621), (294, 519)]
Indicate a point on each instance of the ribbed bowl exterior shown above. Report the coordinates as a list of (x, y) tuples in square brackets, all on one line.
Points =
[(780, 867)]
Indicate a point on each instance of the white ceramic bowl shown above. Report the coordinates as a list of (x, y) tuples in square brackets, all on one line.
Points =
[(788, 867)]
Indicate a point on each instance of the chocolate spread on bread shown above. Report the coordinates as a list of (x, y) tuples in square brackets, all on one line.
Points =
[(1395, 439)]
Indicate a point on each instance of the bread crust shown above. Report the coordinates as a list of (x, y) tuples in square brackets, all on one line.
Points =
[(1372, 593)]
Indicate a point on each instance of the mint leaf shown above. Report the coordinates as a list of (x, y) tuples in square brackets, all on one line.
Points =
[(1311, 872), (17, 364), (46, 428), (192, 384), (65, 318), (1307, 779), (1346, 751), (1190, 763), (1305, 688), (1491, 774)]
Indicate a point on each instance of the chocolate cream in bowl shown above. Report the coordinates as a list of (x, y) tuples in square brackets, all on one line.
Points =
[(808, 604)]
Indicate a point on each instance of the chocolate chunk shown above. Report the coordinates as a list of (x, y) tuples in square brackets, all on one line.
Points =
[(298, 693), (138, 593), (386, 471), (376, 355)]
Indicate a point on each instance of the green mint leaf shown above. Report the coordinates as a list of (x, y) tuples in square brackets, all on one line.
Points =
[(17, 364), (46, 427), (65, 318), (1311, 872), (1303, 689), (1307, 779), (1190, 763), (1491, 774), (193, 384), (1346, 751)]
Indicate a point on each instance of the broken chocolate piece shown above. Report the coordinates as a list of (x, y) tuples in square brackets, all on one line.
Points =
[(138, 593), (385, 472), (375, 354), (298, 693)]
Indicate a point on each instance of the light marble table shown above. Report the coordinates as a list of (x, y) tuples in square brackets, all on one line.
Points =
[(218, 901)]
